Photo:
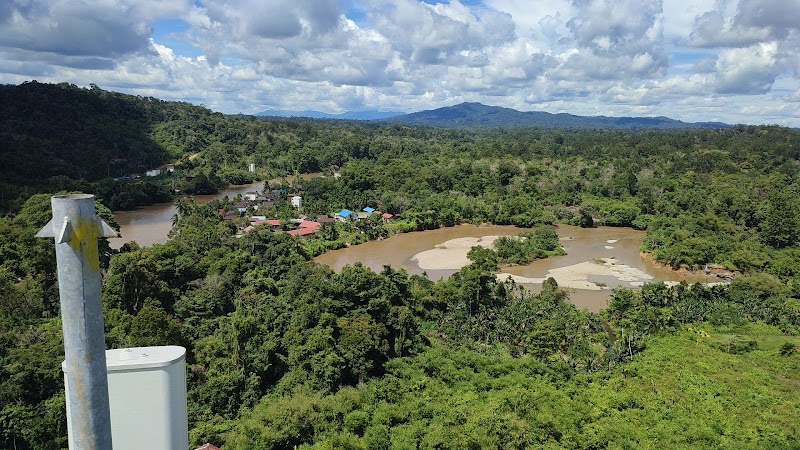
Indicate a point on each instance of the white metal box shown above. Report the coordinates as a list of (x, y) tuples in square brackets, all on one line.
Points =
[(147, 398)]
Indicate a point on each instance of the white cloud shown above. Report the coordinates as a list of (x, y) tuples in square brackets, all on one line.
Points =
[(81, 34), (426, 34), (615, 39), (608, 57), (713, 29), (779, 15), (679, 16), (541, 21), (750, 70), (754, 21)]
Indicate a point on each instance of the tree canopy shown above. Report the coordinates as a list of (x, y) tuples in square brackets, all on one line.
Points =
[(284, 352)]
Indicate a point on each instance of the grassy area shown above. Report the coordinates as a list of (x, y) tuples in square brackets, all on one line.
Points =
[(682, 392), (686, 391), (767, 338)]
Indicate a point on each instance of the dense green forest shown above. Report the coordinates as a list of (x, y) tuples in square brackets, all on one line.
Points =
[(284, 352)]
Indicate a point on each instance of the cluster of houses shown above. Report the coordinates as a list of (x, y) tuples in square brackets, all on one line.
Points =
[(166, 168), (346, 214), (305, 225), (163, 169)]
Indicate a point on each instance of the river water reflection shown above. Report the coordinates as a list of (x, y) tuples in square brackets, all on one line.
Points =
[(150, 224), (582, 245)]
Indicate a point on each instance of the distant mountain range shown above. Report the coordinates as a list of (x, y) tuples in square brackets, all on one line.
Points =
[(355, 115), (477, 115)]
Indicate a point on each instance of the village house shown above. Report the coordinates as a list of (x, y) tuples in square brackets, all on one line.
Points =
[(305, 228), (166, 168), (231, 215), (207, 446), (301, 232), (345, 214)]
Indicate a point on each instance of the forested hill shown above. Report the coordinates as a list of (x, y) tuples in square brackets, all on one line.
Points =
[(61, 130), (56, 137), (469, 115)]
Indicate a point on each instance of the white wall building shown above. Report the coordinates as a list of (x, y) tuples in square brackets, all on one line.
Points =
[(297, 201)]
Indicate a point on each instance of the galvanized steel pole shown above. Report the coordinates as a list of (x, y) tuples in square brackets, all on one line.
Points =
[(76, 227)]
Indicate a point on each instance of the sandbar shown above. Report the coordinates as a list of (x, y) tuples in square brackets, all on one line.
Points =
[(452, 254), (577, 276)]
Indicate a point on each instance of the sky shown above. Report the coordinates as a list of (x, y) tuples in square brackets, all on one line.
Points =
[(735, 61)]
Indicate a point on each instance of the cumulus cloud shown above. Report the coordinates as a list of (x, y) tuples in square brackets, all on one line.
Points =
[(754, 21), (625, 26), (537, 21), (581, 56), (750, 70), (758, 42), (713, 29), (309, 41), (680, 16), (74, 30), (80, 34), (274, 19), (778, 15), (616, 39), (705, 65), (437, 34)]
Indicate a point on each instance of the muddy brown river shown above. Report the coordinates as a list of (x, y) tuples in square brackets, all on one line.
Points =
[(151, 224), (586, 247), (583, 245)]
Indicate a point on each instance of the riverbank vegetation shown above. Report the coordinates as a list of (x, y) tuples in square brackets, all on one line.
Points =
[(541, 242), (283, 352)]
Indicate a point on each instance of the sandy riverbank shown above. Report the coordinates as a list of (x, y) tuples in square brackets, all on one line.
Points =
[(577, 276), (452, 254), (713, 271)]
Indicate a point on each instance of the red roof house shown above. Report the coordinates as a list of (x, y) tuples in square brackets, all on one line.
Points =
[(207, 447), (302, 231)]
